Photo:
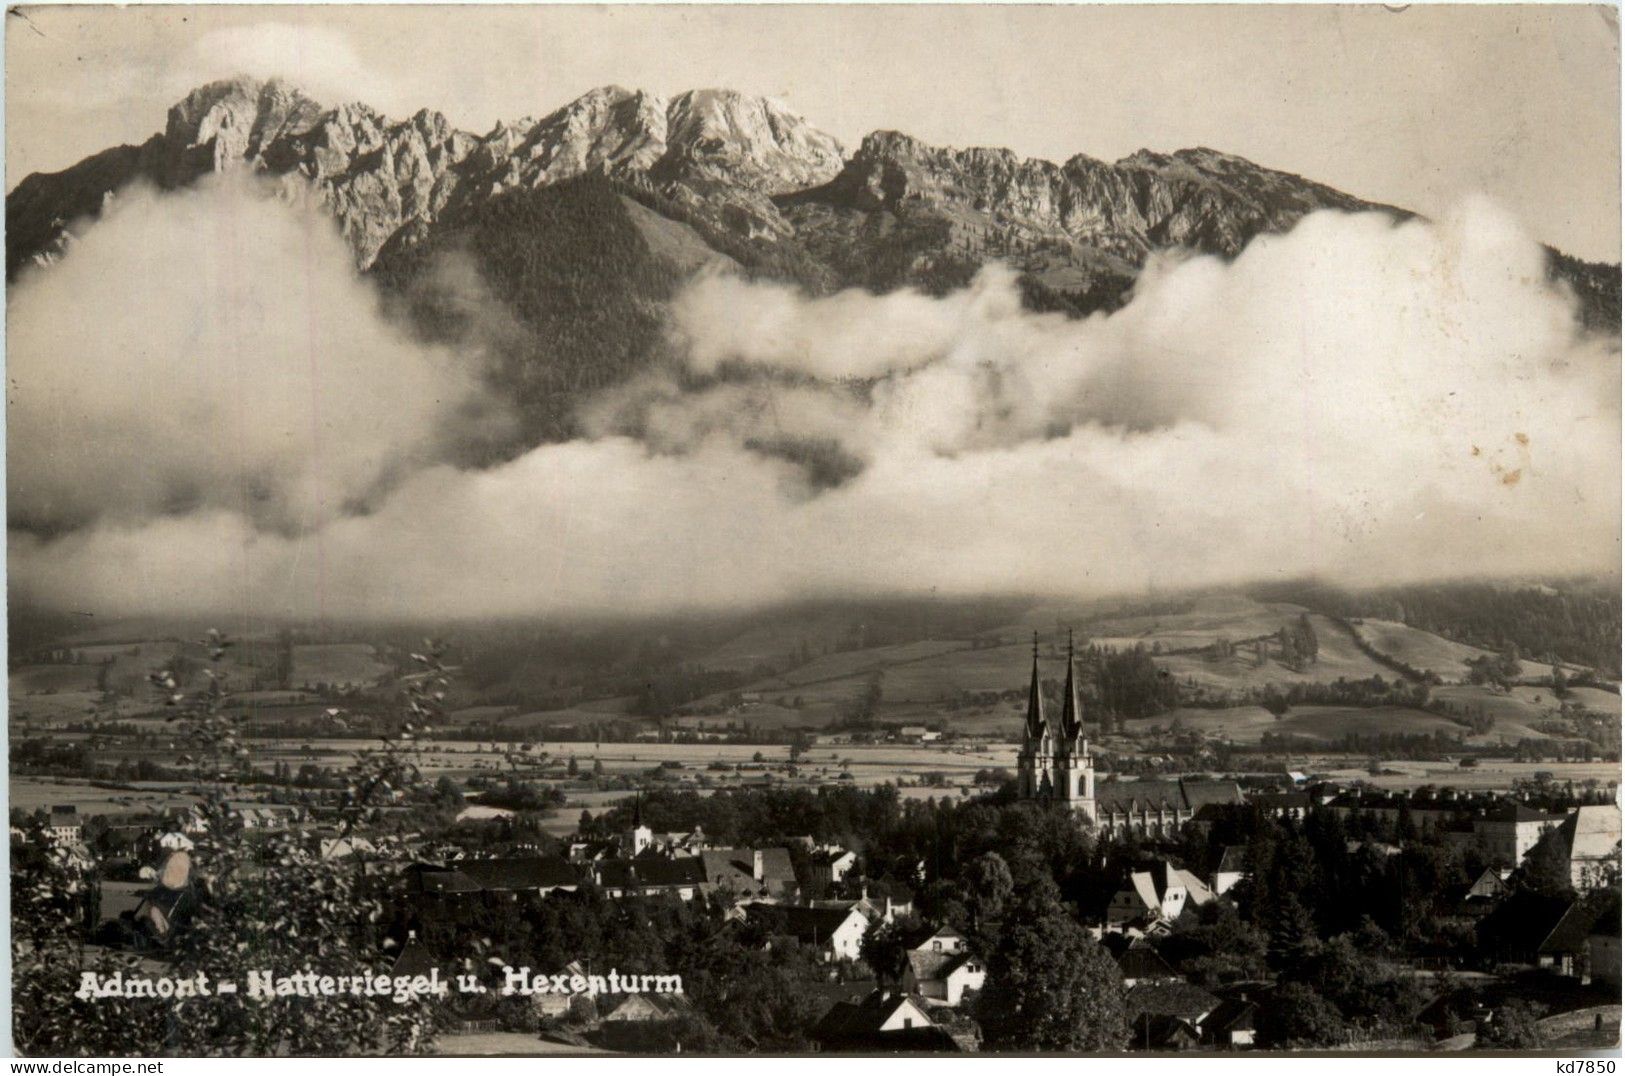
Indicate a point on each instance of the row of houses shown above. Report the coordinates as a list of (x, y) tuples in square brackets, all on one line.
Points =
[(742, 875)]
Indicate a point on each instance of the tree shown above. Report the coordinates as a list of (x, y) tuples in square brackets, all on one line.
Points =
[(1303, 636), (1546, 869), (1515, 1026), (1051, 987), (1292, 934), (1360, 986), (885, 950), (1297, 1017), (1220, 947), (988, 890), (273, 899), (447, 792)]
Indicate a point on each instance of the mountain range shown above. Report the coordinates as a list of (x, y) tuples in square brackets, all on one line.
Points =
[(586, 220)]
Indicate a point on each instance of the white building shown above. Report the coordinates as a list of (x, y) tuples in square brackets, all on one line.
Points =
[(1163, 892)]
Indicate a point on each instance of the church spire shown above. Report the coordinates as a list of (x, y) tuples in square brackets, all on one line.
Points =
[(1036, 724), (1071, 715)]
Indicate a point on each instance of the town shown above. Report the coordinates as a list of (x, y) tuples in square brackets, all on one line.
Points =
[(1065, 892)]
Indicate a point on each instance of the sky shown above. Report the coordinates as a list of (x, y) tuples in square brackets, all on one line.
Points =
[(1417, 107)]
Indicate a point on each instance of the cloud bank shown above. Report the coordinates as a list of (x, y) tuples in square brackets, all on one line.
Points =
[(213, 350), (1361, 400)]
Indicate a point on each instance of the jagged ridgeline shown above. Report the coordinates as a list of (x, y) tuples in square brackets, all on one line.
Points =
[(584, 222)]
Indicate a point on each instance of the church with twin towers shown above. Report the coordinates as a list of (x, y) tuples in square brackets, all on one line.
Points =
[(1055, 767)]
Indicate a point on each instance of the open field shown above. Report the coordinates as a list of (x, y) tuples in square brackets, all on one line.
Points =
[(30, 793), (1241, 724), (337, 663), (1332, 723), (55, 707), (1236, 616), (1338, 658), (1594, 698), (1419, 648), (1326, 724), (1489, 775), (1513, 713), (52, 679), (777, 643)]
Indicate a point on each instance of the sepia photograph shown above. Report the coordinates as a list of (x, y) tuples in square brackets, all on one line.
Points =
[(873, 529)]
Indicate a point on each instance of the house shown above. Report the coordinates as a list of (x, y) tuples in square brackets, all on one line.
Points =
[(508, 875), (1478, 897), (1232, 869), (1376, 848), (639, 1023), (831, 863), (585, 851), (944, 977), (836, 933), (942, 968), (343, 847), (943, 939), (169, 900), (1231, 1025), (251, 814), (1162, 1032), (1156, 1012), (642, 1008), (554, 1004), (1281, 804), (1566, 950), (1140, 963), (651, 876), (883, 1021), (1422, 808), (883, 900), (1590, 836), (427, 880), (415, 959), (1602, 946), (746, 874), (65, 825), (1509, 830), (116, 900), (685, 843), (1161, 892), (1546, 932), (521, 874)]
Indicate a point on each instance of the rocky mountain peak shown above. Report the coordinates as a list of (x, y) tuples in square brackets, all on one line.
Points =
[(607, 129), (723, 133), (238, 117)]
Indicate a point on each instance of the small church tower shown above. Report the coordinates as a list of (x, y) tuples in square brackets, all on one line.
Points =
[(640, 836)]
